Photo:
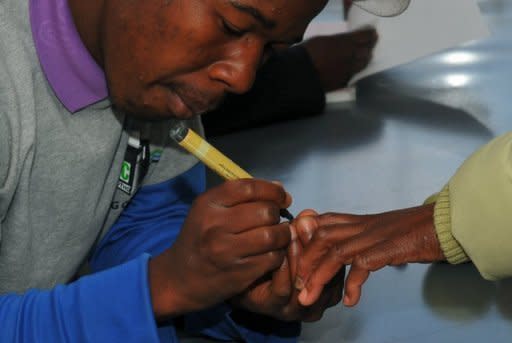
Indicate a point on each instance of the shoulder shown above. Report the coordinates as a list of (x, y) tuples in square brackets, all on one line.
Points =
[(5, 148), (16, 119), (8, 122)]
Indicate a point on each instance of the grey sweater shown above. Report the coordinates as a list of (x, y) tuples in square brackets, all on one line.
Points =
[(58, 171)]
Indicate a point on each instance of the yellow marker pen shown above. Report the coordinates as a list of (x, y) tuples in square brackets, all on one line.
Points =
[(211, 157)]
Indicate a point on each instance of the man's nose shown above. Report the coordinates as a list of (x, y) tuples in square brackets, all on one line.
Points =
[(237, 69)]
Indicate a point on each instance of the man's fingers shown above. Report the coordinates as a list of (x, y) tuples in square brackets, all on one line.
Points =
[(255, 267), (294, 252), (235, 192), (281, 283), (246, 216), (282, 278), (260, 240)]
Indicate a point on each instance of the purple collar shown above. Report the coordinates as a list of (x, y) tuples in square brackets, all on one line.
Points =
[(71, 71)]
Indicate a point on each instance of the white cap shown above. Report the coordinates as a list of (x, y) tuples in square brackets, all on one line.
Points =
[(383, 8)]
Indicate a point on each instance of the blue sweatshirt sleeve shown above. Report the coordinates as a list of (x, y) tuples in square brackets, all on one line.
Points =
[(112, 306), (150, 224)]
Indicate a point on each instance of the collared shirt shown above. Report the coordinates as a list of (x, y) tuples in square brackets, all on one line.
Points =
[(114, 302), (76, 78)]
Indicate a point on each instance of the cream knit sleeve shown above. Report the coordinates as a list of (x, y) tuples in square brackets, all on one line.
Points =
[(452, 250), (477, 205)]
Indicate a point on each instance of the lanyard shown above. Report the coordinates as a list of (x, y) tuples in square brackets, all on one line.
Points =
[(135, 164)]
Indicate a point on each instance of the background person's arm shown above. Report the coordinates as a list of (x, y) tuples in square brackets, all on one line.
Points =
[(292, 83), (286, 87)]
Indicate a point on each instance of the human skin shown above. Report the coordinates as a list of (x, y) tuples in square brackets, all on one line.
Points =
[(179, 58), (365, 242), (285, 304), (339, 56)]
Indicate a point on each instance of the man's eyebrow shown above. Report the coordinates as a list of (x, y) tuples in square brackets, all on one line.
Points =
[(254, 12)]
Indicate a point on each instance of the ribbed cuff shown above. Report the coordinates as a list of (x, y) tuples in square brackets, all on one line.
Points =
[(431, 199), (452, 250)]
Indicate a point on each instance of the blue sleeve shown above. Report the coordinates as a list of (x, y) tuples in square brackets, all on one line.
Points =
[(150, 224), (111, 306)]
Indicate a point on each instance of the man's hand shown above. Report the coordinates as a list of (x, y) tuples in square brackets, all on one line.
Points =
[(230, 238), (339, 56), (367, 243), (275, 294)]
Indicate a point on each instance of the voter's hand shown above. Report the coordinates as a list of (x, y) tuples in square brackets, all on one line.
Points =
[(367, 243), (231, 237), (275, 295)]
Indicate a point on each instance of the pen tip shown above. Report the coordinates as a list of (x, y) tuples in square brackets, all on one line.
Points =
[(286, 214)]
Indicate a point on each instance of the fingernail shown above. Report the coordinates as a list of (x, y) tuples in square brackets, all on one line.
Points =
[(303, 295), (289, 199), (284, 265), (308, 228), (299, 283), (346, 300), (294, 249), (293, 232)]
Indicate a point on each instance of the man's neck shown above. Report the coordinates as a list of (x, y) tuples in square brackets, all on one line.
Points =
[(87, 18)]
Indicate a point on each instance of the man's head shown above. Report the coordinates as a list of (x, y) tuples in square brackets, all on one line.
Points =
[(179, 58)]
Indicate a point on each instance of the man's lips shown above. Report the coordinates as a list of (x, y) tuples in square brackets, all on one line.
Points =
[(178, 106), (196, 105), (188, 101)]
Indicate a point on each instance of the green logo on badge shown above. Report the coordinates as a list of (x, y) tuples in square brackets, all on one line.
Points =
[(125, 172)]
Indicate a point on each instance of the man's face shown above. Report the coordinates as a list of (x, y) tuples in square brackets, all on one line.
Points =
[(179, 58)]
